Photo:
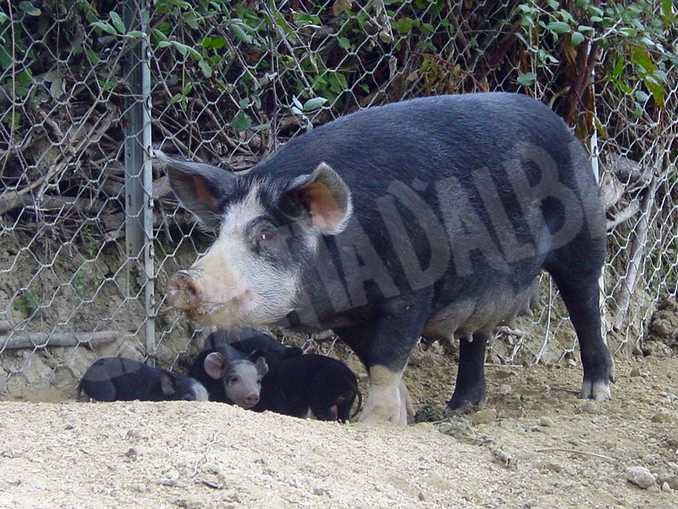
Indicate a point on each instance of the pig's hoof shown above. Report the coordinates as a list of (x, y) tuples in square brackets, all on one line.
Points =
[(382, 407), (466, 398), (465, 403), (463, 407), (598, 391)]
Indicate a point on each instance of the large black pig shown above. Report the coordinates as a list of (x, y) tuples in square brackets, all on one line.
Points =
[(427, 217)]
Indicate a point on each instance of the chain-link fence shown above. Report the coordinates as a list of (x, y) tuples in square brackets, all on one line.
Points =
[(90, 232)]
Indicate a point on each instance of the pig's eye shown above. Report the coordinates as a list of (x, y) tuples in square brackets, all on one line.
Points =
[(266, 235), (233, 380), (263, 236)]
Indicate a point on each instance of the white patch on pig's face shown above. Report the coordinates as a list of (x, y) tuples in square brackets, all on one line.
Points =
[(240, 288)]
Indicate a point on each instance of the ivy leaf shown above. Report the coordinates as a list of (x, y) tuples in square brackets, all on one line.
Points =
[(314, 104), (213, 42), (343, 43), (302, 18), (641, 96), (205, 68), (558, 27), (667, 12), (192, 21), (577, 38), (405, 25), (158, 34), (92, 56), (184, 49), (241, 121), (29, 9), (656, 89), (177, 98), (135, 34), (641, 57), (602, 132), (105, 27), (239, 33), (527, 79), (118, 23), (566, 16), (56, 87), (23, 82), (595, 10)]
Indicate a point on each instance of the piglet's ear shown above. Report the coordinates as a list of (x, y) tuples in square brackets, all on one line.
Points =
[(215, 365), (325, 197), (262, 366), (167, 384), (198, 186)]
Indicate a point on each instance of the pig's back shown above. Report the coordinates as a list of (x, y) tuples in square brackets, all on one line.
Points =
[(426, 138)]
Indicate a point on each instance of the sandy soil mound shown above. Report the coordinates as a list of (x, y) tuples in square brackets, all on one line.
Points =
[(536, 445)]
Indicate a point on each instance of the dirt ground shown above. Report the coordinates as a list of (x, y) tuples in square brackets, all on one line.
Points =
[(545, 448)]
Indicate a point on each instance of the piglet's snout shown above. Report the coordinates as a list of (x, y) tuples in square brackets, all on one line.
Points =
[(251, 400), (183, 291)]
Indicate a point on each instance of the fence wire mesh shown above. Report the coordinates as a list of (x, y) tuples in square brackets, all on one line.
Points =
[(89, 234)]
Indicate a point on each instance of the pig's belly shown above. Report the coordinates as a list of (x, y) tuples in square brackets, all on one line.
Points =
[(480, 315)]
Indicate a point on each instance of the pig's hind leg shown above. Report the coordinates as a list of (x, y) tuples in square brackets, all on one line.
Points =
[(582, 301), (469, 390)]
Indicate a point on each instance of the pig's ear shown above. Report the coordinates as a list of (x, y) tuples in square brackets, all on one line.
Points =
[(262, 366), (167, 384), (199, 186), (215, 365), (325, 197)]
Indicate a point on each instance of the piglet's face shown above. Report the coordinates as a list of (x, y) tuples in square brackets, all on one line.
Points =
[(241, 378)]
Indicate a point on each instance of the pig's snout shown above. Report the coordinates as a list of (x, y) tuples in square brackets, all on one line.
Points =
[(251, 400), (183, 291)]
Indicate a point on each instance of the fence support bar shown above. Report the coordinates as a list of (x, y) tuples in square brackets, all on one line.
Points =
[(43, 339), (139, 171)]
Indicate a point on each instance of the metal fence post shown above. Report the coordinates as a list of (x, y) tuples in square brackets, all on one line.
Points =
[(138, 169), (596, 173)]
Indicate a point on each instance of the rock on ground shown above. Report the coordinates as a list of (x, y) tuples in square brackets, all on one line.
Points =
[(640, 476)]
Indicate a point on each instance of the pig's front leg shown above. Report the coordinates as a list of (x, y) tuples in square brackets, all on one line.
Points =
[(384, 350), (383, 403)]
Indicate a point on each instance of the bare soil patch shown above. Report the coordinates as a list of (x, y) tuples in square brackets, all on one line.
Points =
[(539, 446)]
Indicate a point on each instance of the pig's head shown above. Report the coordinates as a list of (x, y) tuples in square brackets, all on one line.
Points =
[(267, 232), (241, 378)]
